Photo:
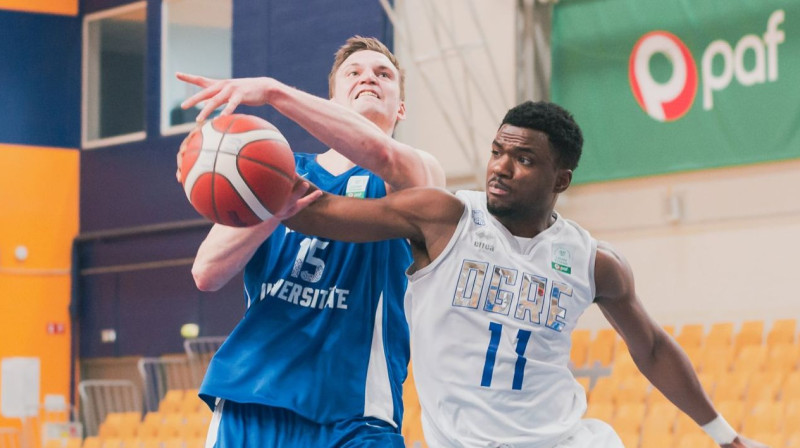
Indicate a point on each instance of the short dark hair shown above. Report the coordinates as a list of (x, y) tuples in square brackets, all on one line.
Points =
[(360, 43), (563, 132)]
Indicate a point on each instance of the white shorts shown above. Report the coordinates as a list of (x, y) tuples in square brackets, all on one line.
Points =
[(592, 433)]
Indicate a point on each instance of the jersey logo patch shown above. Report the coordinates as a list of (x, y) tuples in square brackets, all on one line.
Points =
[(478, 218), (562, 259), (357, 187)]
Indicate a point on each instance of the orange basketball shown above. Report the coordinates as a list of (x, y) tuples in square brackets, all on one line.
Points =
[(237, 170)]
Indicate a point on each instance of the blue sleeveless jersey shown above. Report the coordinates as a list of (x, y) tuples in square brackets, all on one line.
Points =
[(324, 334)]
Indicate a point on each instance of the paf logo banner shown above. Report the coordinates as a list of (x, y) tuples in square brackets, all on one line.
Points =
[(670, 100), (660, 87)]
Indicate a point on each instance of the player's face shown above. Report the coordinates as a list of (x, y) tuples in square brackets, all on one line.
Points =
[(369, 83), (523, 178)]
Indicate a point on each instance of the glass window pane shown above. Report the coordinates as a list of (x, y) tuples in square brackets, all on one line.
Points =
[(196, 39), (114, 74)]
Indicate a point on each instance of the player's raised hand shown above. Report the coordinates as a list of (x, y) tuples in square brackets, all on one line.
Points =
[(741, 442), (231, 92), (298, 200)]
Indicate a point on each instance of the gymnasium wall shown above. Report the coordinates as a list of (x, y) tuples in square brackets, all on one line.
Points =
[(40, 91), (138, 232), (706, 245)]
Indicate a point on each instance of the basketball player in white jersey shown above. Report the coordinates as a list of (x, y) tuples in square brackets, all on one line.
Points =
[(498, 283)]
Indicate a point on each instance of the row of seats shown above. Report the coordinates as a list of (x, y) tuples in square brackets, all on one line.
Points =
[(98, 442), (741, 386), (601, 349)]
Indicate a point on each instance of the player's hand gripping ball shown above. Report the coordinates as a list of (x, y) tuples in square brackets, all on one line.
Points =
[(237, 170)]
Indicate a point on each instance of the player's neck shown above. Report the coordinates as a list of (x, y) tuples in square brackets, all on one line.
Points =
[(334, 162), (527, 226)]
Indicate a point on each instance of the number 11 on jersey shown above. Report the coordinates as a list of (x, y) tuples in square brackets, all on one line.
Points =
[(523, 336)]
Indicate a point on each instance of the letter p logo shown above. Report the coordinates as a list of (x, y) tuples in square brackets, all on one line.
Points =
[(670, 100)]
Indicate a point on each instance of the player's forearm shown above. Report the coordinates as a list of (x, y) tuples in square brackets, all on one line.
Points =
[(225, 252), (670, 371), (352, 135)]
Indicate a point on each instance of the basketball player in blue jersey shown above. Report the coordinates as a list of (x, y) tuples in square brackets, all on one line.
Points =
[(498, 283), (321, 354)]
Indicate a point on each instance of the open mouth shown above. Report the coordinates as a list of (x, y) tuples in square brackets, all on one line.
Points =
[(367, 93)]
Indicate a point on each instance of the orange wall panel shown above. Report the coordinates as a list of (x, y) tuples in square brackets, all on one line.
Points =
[(39, 197), (63, 7)]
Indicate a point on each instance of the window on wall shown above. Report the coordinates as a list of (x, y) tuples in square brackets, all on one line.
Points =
[(196, 39), (114, 46)]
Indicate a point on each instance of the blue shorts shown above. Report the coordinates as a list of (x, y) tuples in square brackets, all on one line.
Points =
[(237, 425)]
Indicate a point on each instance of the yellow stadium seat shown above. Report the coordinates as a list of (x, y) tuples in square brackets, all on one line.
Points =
[(150, 443), (602, 411), (412, 417), (195, 426), (604, 390), (657, 440), (172, 401), (584, 381), (749, 359), (54, 443), (696, 440), (769, 438), (792, 439), (196, 442), (629, 439), (783, 331), (632, 389), (655, 397), (790, 390), (690, 336), (717, 359), (601, 348), (750, 333), (92, 442), (73, 442), (695, 355), (783, 357), (763, 417), (171, 426), (730, 387), (131, 442), (685, 425), (720, 335), (628, 417), (624, 366), (112, 442), (174, 442), (733, 411), (191, 403), (580, 347), (660, 417), (764, 386)]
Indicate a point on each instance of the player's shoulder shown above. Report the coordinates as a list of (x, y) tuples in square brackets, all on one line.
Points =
[(613, 274)]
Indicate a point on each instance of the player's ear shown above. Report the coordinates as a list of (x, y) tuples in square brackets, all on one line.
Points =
[(563, 179), (401, 111)]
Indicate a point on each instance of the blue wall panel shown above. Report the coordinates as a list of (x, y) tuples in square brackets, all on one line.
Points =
[(134, 184), (40, 79)]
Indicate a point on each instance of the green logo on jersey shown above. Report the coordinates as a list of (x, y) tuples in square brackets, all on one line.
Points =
[(562, 260)]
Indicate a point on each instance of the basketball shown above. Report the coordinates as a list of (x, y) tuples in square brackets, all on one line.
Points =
[(237, 170)]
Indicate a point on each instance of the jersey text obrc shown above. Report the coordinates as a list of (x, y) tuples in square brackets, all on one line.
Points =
[(306, 296), (499, 298)]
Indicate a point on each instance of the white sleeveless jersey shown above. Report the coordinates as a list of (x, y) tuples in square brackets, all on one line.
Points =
[(491, 321)]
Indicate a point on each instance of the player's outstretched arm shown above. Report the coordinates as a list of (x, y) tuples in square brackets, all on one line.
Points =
[(655, 353), (226, 250), (426, 216), (343, 129)]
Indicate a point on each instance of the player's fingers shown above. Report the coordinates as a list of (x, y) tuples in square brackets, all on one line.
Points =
[(213, 103), (202, 95), (233, 103), (197, 80)]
